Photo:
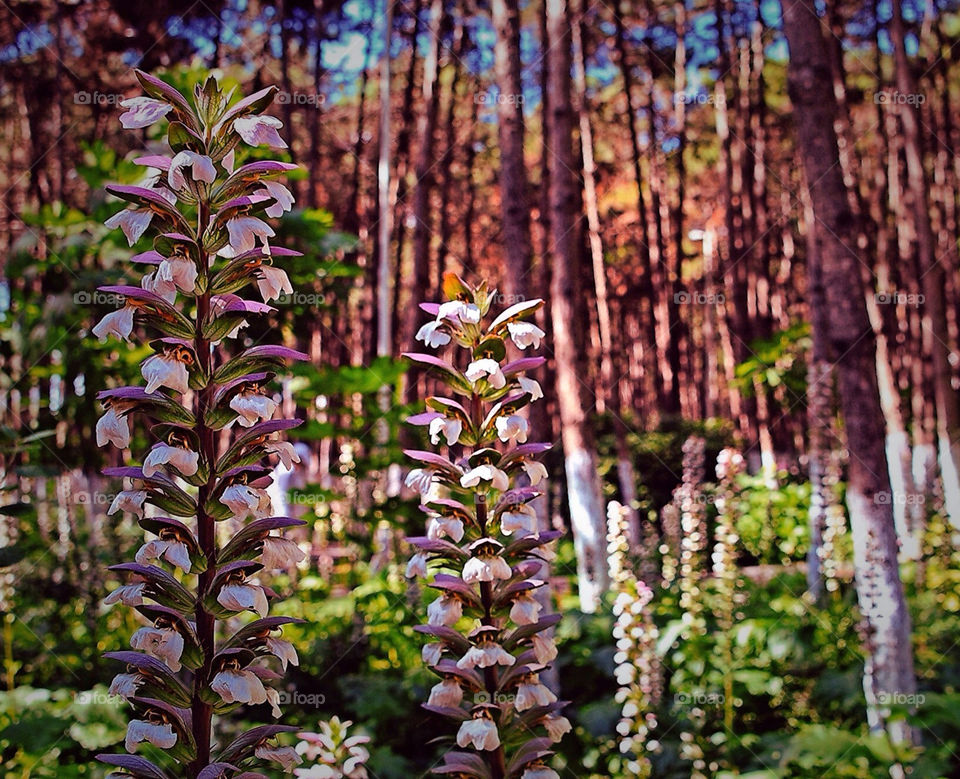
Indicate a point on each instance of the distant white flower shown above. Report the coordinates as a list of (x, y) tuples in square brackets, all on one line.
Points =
[(556, 726), (201, 169), (113, 428), (163, 288), (159, 734), (285, 756), (243, 233), (142, 112), (544, 649), (185, 461), (178, 271), (284, 450), (449, 428), (458, 311), (537, 770), (125, 685), (173, 550), (127, 594), (282, 649), (273, 282), (525, 609), (246, 501), (259, 130), (229, 160), (280, 553), (512, 427), (531, 693), (280, 193), (273, 698), (417, 566), (536, 471), (420, 479), (485, 472), (239, 686), (445, 527), (163, 643), (520, 518), (129, 500), (525, 334), (253, 407), (244, 596), (433, 335), (447, 693), (117, 323), (486, 568), (431, 653), (133, 222), (165, 370), (445, 610), (531, 387), (486, 368), (481, 733)]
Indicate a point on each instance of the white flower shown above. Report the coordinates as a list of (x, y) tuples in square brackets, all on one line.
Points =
[(525, 609), (164, 370), (521, 518), (201, 169), (163, 643), (445, 610), (433, 335), (273, 698), (280, 553), (544, 649), (282, 649), (142, 112), (431, 653), (125, 685), (531, 693), (243, 232), (239, 686), (512, 428), (258, 130), (285, 756), (284, 450), (445, 527), (446, 693), (129, 500), (486, 568), (484, 655), (480, 732), (117, 323), (185, 461), (173, 551), (537, 770), (449, 428), (160, 735), (229, 160), (278, 192), (133, 222), (246, 501), (556, 726), (253, 407), (244, 596), (113, 428), (179, 272), (524, 334), (420, 479), (127, 594), (485, 472), (417, 566), (164, 288), (486, 368), (459, 311), (273, 283), (536, 471), (531, 387)]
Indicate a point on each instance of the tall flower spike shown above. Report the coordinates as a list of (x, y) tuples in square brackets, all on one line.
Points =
[(487, 637), (188, 578)]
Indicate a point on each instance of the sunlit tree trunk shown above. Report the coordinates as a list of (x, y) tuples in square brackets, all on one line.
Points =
[(888, 667)]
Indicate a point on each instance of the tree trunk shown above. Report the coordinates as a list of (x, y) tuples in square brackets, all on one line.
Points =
[(888, 667), (385, 226), (580, 457)]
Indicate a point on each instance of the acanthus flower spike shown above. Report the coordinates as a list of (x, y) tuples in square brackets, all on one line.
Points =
[(488, 639)]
